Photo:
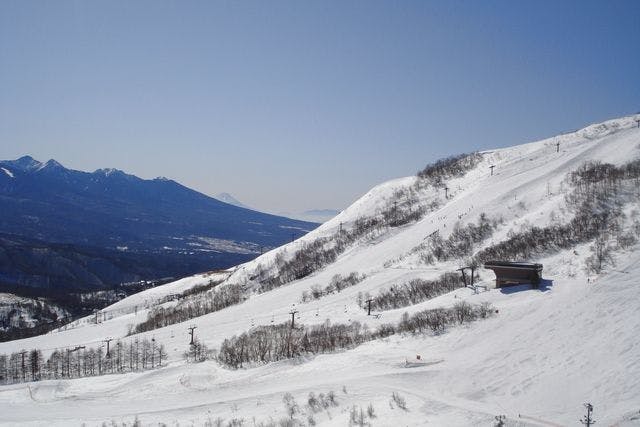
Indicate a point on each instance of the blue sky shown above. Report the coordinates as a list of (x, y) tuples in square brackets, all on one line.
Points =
[(294, 105)]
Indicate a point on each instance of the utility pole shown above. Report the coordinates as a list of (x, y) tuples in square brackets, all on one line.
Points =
[(293, 316), (108, 340), (24, 371), (137, 353), (153, 352), (558, 147), (586, 420), (69, 351), (491, 167), (464, 276), (369, 307), (191, 329), (119, 355), (76, 349), (394, 214), (69, 362)]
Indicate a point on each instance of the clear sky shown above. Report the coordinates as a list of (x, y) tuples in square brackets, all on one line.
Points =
[(294, 105)]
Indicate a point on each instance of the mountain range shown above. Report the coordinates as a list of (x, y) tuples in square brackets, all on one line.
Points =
[(72, 229)]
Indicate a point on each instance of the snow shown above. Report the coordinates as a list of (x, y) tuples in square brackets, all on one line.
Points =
[(109, 172), (25, 163), (204, 243), (8, 172), (7, 299), (150, 297), (50, 164), (15, 309), (228, 198), (537, 361)]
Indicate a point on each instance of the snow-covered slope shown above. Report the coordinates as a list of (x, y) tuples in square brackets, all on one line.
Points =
[(543, 355)]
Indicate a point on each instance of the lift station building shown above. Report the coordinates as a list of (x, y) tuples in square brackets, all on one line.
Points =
[(515, 273)]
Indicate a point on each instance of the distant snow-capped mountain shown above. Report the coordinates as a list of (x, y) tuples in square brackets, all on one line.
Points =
[(313, 215), (317, 215), (228, 198)]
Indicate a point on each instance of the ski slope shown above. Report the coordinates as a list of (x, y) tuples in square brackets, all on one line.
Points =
[(544, 354)]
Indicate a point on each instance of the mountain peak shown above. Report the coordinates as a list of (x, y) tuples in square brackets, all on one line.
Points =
[(50, 165), (228, 198), (26, 163), (109, 172)]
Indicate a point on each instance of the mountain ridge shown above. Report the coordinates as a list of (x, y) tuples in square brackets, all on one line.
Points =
[(116, 211)]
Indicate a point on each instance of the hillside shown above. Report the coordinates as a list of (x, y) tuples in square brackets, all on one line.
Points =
[(570, 202), (22, 313)]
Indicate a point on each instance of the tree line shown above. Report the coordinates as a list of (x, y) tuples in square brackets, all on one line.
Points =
[(449, 167), (313, 256), (336, 284), (205, 303), (271, 343), (460, 242), (136, 355), (410, 293)]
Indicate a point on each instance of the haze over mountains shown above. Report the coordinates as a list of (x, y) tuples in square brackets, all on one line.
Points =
[(311, 215), (228, 198), (74, 229)]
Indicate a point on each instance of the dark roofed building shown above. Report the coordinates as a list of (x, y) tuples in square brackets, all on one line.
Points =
[(515, 273)]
